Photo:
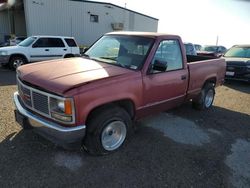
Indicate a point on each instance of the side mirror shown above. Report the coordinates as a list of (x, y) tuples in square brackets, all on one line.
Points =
[(160, 66)]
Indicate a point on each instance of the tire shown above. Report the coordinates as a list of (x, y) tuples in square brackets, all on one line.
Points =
[(16, 61), (107, 130), (205, 98)]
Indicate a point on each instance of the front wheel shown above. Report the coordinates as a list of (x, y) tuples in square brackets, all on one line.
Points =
[(16, 61), (107, 130), (206, 97)]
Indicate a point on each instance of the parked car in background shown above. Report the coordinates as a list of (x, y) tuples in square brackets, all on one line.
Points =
[(190, 49), (197, 47), (2, 44), (16, 40), (238, 62), (213, 51), (38, 48), (124, 76)]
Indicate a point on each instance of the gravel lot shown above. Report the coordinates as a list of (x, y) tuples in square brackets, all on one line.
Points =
[(180, 148)]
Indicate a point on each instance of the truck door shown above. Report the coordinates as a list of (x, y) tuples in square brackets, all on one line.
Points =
[(47, 48), (57, 48), (166, 81)]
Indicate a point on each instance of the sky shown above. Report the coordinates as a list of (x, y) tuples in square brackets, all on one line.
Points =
[(198, 21)]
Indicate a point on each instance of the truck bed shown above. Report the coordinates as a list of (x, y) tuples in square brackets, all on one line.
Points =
[(194, 58), (204, 68)]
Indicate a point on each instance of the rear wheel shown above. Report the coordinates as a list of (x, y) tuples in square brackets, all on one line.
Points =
[(206, 97), (107, 130), (17, 61)]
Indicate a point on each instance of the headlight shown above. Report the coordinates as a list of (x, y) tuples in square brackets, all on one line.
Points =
[(3, 53), (62, 109), (61, 106)]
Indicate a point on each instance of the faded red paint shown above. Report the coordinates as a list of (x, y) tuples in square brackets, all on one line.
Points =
[(93, 84)]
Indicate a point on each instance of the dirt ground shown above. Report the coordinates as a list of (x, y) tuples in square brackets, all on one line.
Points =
[(179, 148)]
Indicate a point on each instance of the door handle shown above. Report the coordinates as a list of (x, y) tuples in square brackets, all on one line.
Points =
[(65, 49), (46, 50), (183, 77)]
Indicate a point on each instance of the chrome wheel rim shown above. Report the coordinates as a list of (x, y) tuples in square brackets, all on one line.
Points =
[(17, 63), (113, 135), (209, 98)]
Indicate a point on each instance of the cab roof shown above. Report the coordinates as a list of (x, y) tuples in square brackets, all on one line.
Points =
[(144, 34)]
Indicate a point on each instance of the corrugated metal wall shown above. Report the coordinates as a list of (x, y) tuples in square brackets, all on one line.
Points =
[(4, 25), (72, 18), (19, 21)]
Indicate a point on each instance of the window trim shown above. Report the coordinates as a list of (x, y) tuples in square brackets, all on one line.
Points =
[(48, 38), (181, 53), (94, 16), (66, 41)]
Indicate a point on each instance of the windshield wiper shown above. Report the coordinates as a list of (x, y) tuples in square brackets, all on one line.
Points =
[(109, 58), (114, 62)]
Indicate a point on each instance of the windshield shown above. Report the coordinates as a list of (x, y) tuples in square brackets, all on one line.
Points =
[(125, 51), (209, 48), (243, 52), (27, 42)]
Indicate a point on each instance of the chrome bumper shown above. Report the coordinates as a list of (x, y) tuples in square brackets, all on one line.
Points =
[(64, 136)]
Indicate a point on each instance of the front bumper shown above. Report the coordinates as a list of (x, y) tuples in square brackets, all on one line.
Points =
[(67, 137), (4, 59), (238, 73)]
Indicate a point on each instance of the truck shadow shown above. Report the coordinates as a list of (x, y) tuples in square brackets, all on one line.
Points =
[(218, 118), (7, 77), (238, 85), (149, 159)]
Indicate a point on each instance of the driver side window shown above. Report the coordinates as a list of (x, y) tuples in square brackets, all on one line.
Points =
[(168, 57)]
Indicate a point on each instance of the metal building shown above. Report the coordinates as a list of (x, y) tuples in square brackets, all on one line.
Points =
[(84, 20)]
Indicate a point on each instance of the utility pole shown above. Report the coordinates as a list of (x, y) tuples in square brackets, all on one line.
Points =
[(217, 40)]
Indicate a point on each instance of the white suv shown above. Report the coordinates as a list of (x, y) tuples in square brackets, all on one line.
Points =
[(38, 48)]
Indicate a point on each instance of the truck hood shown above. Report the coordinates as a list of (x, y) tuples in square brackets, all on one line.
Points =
[(237, 59), (59, 76)]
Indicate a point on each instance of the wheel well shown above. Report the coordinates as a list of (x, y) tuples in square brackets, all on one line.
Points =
[(126, 104), (69, 55), (18, 55), (210, 80)]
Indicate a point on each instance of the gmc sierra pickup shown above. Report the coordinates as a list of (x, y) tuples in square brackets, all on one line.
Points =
[(92, 101)]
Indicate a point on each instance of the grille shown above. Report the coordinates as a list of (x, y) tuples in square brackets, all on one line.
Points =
[(237, 69), (34, 99), (40, 102), (237, 66)]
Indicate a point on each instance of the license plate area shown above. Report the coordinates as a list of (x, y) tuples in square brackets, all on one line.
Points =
[(230, 73)]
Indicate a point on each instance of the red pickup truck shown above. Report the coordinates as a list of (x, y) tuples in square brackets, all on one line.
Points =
[(92, 101)]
